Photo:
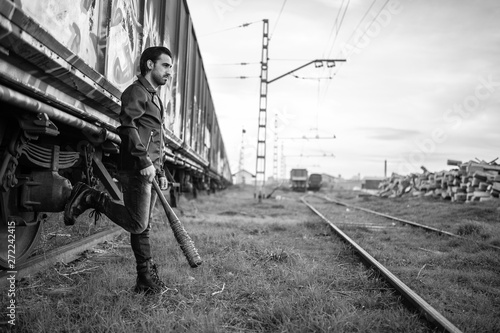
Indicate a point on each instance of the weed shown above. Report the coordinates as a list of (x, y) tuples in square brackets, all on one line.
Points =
[(469, 229)]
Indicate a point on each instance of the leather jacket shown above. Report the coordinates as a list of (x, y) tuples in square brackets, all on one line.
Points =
[(141, 119)]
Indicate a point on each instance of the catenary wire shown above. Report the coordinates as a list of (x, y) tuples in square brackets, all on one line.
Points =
[(278, 19), (339, 26), (353, 33), (371, 23), (359, 23), (244, 25)]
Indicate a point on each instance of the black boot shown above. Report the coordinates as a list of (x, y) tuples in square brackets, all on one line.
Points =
[(82, 198), (148, 281)]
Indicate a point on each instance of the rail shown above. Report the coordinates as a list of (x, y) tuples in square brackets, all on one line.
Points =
[(415, 224), (427, 311), (64, 253)]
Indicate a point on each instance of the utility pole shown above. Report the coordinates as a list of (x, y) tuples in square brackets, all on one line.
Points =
[(275, 157), (260, 173), (283, 163), (242, 151)]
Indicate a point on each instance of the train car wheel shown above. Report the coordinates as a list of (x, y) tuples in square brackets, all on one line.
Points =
[(18, 238)]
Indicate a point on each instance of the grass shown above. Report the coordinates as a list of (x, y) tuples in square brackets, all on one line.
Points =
[(460, 278), (269, 267)]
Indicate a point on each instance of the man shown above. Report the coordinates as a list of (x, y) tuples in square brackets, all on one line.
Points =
[(141, 121)]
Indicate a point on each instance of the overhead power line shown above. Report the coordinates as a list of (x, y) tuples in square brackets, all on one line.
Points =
[(334, 27), (312, 78), (236, 77), (236, 64), (278, 19), (312, 155), (373, 20), (354, 32), (339, 26), (244, 25), (361, 21)]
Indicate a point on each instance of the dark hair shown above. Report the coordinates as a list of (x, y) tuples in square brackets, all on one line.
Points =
[(152, 53)]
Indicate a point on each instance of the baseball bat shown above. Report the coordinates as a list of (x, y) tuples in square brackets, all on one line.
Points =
[(181, 235)]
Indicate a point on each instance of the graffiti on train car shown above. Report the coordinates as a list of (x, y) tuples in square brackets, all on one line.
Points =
[(107, 34), (124, 43), (151, 27), (133, 26), (168, 92), (80, 28)]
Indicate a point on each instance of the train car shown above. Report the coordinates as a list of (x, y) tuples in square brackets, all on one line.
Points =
[(315, 181), (63, 66), (298, 180)]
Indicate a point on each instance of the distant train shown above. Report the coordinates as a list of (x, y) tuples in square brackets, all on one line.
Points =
[(315, 182), (298, 180)]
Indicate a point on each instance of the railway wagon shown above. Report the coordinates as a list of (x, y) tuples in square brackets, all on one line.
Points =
[(63, 66), (298, 180), (315, 181)]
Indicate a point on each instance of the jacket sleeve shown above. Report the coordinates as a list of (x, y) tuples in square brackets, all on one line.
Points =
[(133, 108)]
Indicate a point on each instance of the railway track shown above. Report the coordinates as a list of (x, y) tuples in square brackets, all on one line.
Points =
[(428, 312), (65, 253), (404, 221), (275, 258)]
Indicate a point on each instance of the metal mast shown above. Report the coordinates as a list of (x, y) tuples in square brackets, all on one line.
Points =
[(275, 149), (260, 173), (242, 151), (283, 163)]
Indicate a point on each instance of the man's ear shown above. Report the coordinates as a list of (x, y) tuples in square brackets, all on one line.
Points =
[(150, 64)]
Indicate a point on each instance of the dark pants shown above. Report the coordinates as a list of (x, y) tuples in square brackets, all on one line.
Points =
[(140, 242), (134, 213)]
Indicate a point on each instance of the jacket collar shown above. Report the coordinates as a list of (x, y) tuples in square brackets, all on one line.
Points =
[(146, 84)]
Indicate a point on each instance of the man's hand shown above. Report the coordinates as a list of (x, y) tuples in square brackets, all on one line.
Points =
[(149, 172), (163, 183)]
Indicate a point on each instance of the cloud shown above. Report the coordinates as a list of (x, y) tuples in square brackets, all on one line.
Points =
[(388, 133), (385, 102)]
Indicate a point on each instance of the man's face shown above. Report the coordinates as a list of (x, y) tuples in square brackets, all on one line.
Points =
[(162, 71)]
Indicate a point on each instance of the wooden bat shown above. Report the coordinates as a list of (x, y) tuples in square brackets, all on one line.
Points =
[(182, 237)]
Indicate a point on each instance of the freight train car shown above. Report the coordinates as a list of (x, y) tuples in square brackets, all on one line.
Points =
[(63, 66), (315, 181), (298, 180)]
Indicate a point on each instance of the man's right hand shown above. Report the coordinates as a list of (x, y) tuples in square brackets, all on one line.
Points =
[(163, 183), (149, 172)]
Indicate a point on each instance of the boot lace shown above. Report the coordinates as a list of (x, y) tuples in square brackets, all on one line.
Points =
[(96, 214), (154, 276)]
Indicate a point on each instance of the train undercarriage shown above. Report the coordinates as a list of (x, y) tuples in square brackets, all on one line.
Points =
[(60, 90), (41, 159)]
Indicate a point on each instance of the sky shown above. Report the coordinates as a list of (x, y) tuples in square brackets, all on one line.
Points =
[(420, 84)]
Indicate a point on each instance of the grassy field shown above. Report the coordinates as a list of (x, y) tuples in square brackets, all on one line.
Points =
[(460, 277), (268, 267)]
